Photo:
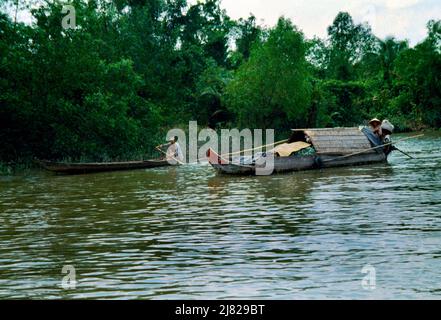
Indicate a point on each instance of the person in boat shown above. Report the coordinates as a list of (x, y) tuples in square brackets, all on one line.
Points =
[(373, 133), (173, 150), (375, 126), (387, 129)]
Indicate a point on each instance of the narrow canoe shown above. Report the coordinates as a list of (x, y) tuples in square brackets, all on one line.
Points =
[(335, 147), (82, 168)]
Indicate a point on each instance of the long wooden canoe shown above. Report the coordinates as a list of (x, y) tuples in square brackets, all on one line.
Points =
[(81, 168), (334, 147)]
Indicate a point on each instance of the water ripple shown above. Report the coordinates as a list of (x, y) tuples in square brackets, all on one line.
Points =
[(187, 233)]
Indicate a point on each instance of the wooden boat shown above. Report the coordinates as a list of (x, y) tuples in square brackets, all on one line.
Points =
[(81, 168), (334, 147)]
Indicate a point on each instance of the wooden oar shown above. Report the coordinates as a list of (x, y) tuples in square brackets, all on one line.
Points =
[(395, 148), (165, 153)]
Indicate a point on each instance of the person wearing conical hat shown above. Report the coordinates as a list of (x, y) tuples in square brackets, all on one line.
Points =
[(375, 125)]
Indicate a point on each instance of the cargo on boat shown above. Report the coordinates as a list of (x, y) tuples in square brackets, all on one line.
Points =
[(81, 168), (308, 149)]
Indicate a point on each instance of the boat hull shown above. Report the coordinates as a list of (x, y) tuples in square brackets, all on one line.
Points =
[(293, 163), (83, 168)]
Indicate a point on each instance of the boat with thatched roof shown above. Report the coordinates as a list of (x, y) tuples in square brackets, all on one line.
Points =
[(330, 147)]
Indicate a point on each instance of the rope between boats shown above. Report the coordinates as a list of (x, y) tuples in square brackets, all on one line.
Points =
[(256, 148), (243, 151)]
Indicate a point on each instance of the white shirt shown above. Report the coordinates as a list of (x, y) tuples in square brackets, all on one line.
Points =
[(175, 151)]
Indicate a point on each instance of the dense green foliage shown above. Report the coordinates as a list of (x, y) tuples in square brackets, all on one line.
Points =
[(132, 69), (272, 88)]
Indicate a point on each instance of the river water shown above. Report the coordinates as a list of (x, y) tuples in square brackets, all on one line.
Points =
[(185, 233)]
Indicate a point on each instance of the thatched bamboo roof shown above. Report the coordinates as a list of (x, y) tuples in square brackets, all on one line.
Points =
[(337, 140)]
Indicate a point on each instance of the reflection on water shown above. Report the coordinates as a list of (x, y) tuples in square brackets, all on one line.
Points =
[(187, 233)]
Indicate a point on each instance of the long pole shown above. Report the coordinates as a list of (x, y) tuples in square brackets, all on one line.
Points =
[(256, 148), (374, 148), (406, 154)]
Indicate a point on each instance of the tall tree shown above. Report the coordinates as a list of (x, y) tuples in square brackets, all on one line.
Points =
[(388, 53), (272, 88), (349, 42), (418, 81), (247, 34)]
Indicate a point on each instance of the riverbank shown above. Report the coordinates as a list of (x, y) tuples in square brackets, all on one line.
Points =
[(12, 168)]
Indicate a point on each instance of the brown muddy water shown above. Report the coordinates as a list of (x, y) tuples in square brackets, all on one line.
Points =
[(186, 233)]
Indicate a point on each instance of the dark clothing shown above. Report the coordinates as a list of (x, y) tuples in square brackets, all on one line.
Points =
[(373, 138), (376, 141)]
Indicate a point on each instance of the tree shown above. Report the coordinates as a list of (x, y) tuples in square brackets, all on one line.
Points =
[(247, 34), (208, 26), (209, 90), (272, 88), (388, 53), (417, 81), (349, 43)]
